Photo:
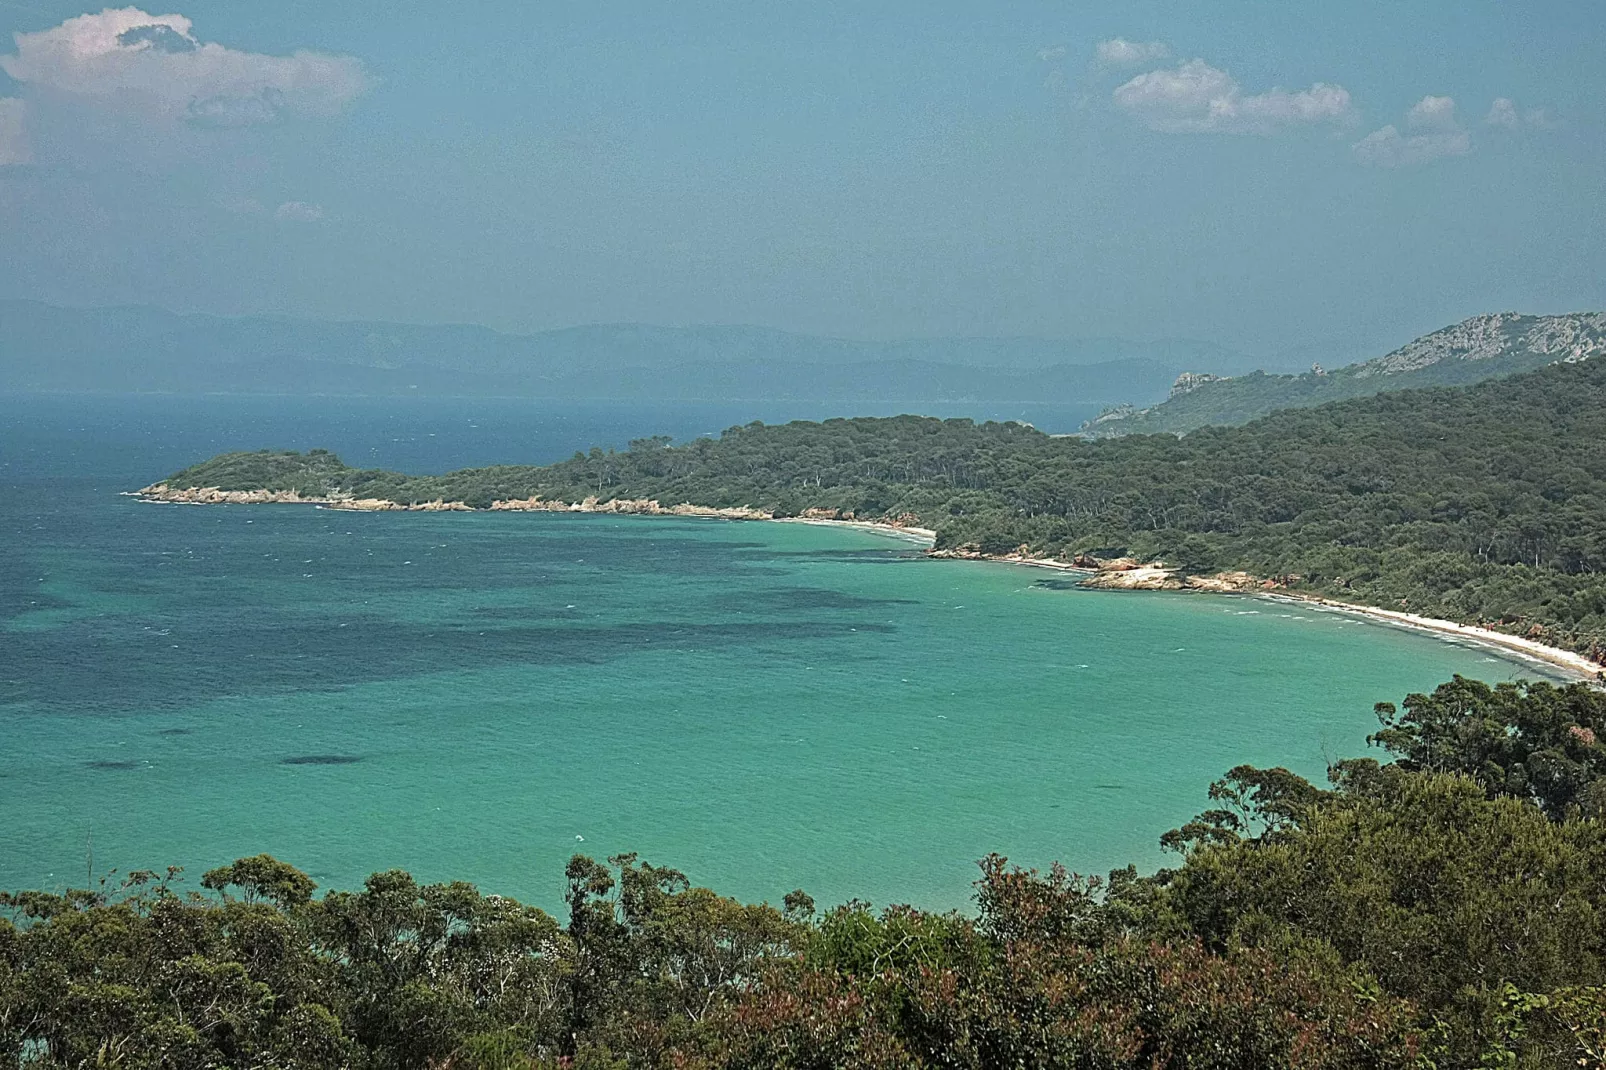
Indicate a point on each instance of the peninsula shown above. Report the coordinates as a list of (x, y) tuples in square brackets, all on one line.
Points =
[(1477, 505)]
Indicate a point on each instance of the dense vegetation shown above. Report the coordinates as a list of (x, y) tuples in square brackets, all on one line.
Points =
[(1481, 504), (1486, 347), (1445, 910)]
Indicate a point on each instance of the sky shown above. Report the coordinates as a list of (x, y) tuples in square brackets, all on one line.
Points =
[(1286, 178)]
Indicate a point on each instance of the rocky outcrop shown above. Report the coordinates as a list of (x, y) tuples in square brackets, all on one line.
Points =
[(384, 505), (1568, 339), (1138, 578), (1124, 574), (161, 492), (628, 507), (1188, 382), (1230, 583)]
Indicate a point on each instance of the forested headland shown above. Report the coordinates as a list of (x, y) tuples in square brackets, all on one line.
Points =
[(1447, 909), (1483, 504)]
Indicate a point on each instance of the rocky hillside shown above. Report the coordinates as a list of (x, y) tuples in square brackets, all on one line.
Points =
[(1483, 347)]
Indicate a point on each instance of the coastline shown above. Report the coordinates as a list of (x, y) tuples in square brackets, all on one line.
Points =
[(919, 536), (161, 494), (1575, 665), (1147, 577)]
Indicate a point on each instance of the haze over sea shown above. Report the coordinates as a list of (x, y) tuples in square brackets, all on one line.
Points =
[(478, 696)]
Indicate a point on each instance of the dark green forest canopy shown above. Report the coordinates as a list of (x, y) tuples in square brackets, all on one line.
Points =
[(1482, 504), (1448, 910)]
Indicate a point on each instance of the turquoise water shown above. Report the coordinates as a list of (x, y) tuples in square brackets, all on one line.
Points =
[(766, 706)]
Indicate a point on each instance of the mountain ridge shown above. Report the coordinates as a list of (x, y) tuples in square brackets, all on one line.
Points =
[(1493, 345), (138, 348)]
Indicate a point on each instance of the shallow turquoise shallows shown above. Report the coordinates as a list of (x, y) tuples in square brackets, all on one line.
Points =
[(479, 696), (765, 706)]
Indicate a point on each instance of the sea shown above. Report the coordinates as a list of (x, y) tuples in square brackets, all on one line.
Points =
[(480, 696)]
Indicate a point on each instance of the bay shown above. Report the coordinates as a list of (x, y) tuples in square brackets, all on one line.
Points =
[(478, 696)]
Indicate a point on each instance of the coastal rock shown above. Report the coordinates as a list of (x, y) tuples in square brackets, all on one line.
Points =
[(959, 553), (161, 492), (1229, 583), (383, 505), (1188, 382), (1136, 578)]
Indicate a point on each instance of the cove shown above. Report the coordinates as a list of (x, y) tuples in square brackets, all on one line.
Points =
[(765, 706)]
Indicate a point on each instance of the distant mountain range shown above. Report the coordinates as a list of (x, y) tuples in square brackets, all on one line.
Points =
[(149, 350), (1483, 347)]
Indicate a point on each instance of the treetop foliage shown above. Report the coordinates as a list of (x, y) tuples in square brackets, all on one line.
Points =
[(1443, 910)]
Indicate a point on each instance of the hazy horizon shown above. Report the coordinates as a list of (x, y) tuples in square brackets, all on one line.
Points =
[(301, 317)]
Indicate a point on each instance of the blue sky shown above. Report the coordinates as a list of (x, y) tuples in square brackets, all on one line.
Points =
[(1291, 178)]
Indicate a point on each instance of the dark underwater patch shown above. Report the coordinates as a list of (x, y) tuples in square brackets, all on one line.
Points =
[(175, 731), (264, 650), (269, 637), (321, 759), (20, 595), (112, 766), (796, 599)]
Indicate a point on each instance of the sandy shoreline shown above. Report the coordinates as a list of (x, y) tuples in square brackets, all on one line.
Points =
[(919, 536), (1573, 665)]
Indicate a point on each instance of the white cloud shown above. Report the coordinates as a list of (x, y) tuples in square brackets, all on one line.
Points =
[(1433, 134), (1119, 52), (1049, 55), (1196, 98), (13, 135), (1432, 113), (127, 60), (299, 212), (1503, 113), (1390, 148)]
